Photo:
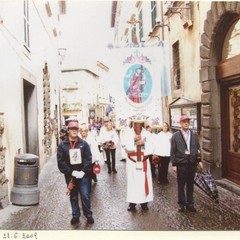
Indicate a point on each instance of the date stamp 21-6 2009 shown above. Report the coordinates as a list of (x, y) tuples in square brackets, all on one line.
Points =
[(19, 235)]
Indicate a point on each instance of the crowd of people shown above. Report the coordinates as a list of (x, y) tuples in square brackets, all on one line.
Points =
[(145, 153)]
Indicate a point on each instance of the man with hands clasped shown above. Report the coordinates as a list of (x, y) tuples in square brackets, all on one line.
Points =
[(75, 162), (185, 149)]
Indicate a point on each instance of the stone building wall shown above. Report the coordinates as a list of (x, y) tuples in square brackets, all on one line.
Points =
[(47, 112), (216, 17), (3, 179)]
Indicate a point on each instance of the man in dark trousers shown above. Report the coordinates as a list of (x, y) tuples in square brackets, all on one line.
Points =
[(185, 149), (75, 162)]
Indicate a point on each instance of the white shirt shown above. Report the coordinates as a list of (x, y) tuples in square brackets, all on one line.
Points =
[(162, 144), (102, 130), (109, 136), (186, 136), (149, 141), (93, 147)]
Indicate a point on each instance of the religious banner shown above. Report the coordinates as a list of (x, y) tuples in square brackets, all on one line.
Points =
[(141, 78)]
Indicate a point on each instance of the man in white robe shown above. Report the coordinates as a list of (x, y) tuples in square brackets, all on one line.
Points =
[(139, 177)]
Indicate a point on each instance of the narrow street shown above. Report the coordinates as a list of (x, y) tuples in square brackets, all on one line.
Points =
[(110, 207), (119, 61)]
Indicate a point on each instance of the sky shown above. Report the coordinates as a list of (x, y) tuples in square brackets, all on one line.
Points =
[(86, 29)]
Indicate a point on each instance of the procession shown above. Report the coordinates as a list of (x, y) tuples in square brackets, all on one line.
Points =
[(136, 196), (141, 148), (120, 119)]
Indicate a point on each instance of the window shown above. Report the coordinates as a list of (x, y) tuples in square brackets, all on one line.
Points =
[(62, 6), (134, 34), (231, 45), (26, 23), (48, 9), (153, 12), (140, 26), (176, 66)]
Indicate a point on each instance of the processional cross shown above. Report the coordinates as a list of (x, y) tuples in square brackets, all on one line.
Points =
[(138, 129)]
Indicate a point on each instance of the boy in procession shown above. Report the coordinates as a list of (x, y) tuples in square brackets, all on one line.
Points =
[(75, 162)]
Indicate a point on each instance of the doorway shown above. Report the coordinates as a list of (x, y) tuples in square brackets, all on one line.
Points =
[(231, 131), (30, 118)]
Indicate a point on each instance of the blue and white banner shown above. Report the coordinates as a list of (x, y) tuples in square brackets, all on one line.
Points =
[(141, 77)]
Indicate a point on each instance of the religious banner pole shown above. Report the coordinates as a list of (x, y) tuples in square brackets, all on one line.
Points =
[(139, 147), (138, 129)]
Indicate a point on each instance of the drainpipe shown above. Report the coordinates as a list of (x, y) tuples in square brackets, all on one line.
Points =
[(162, 20)]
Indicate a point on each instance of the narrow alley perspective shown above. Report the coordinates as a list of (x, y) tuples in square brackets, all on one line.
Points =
[(150, 90), (109, 207)]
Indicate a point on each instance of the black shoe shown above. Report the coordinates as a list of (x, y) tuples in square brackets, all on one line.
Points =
[(181, 209), (191, 208), (131, 208), (74, 221), (114, 171), (90, 220), (123, 160), (145, 207)]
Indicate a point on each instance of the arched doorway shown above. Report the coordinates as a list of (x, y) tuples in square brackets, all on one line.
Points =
[(220, 76), (228, 75)]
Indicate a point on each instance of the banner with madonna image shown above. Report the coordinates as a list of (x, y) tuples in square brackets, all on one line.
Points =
[(141, 78)]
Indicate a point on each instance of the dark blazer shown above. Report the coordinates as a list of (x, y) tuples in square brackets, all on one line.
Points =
[(63, 158), (179, 147)]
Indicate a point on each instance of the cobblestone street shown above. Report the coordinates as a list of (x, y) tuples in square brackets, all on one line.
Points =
[(110, 207)]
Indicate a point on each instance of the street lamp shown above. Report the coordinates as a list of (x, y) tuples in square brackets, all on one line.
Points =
[(178, 9), (172, 9), (161, 24)]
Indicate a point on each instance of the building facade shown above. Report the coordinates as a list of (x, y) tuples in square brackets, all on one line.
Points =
[(219, 77), (202, 37), (85, 102), (29, 92)]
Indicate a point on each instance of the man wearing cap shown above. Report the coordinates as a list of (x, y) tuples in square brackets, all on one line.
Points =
[(75, 162), (184, 151)]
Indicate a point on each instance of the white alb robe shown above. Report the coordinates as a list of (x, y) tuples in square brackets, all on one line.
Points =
[(136, 191)]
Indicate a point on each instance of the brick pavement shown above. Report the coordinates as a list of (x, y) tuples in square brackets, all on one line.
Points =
[(110, 207)]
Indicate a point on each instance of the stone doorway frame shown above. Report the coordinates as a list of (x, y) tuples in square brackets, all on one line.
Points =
[(218, 18)]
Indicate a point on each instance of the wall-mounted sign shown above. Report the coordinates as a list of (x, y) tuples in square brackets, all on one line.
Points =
[(185, 106)]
